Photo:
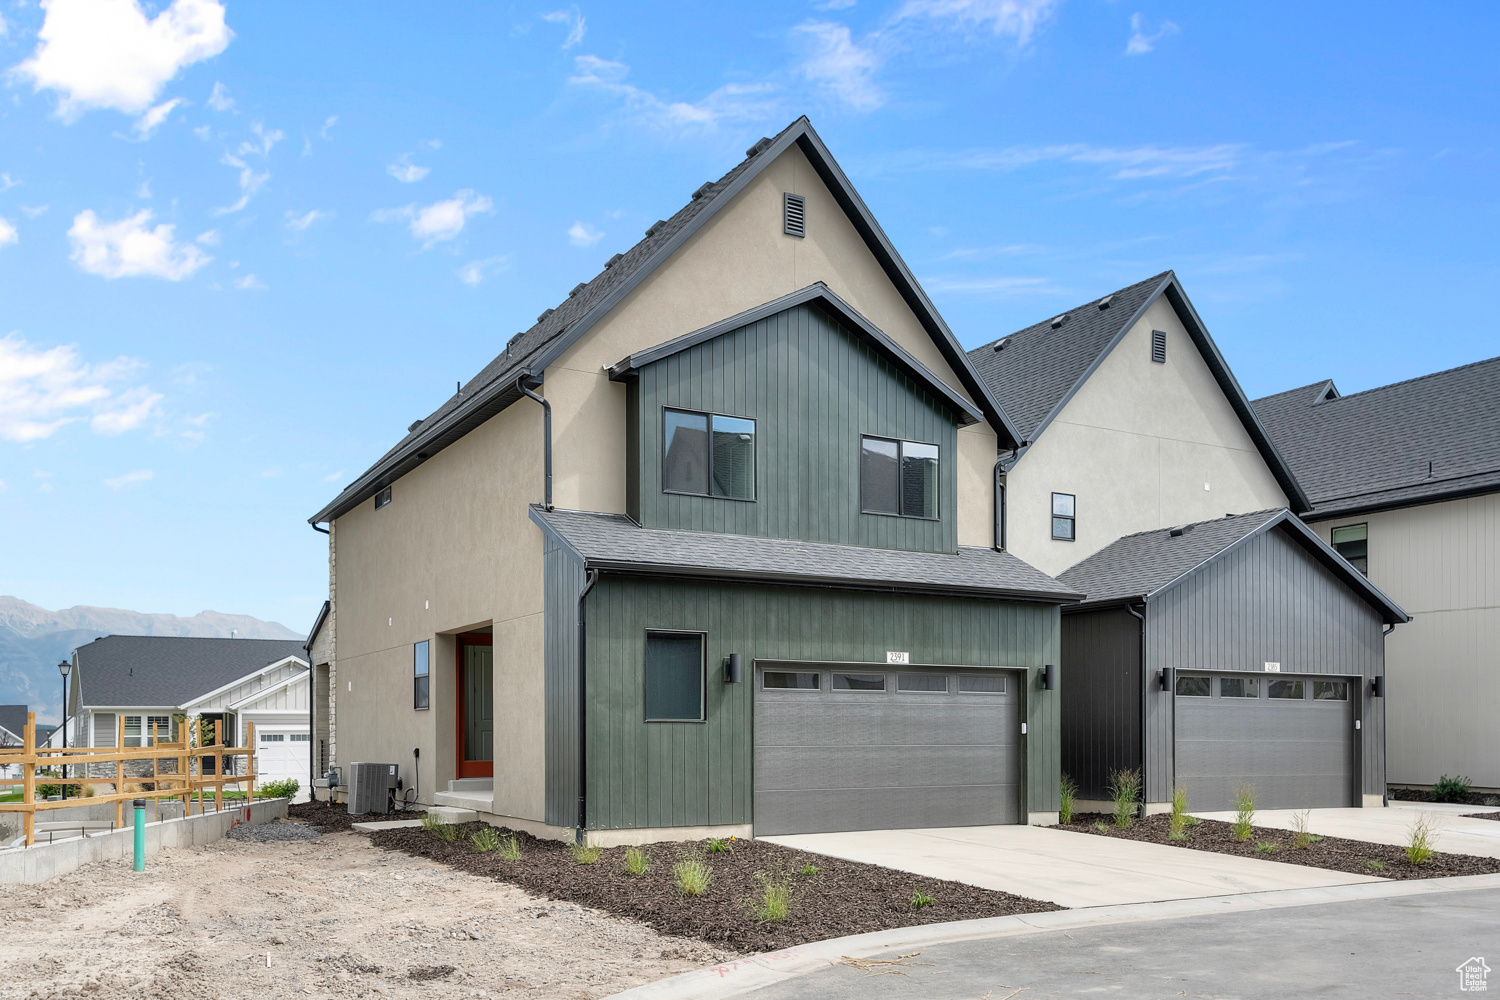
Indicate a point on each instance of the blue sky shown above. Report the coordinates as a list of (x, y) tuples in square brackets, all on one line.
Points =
[(242, 246)]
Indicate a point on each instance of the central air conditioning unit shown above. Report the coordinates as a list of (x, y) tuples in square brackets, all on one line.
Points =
[(371, 788)]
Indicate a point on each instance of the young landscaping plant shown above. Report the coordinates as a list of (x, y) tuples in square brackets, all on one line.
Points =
[(920, 899), (1447, 789), (1375, 866), (1177, 821), (808, 868), (692, 874), (1419, 840), (1125, 789), (636, 861), (509, 849), (1244, 813), (776, 897), (486, 840), (283, 789), (584, 854), (1266, 847), (436, 827), (1069, 794), (1301, 839), (720, 845)]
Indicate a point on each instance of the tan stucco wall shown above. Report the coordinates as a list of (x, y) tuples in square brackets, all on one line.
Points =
[(1441, 563), (1136, 445)]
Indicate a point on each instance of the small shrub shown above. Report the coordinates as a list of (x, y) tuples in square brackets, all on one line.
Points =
[(1454, 789), (283, 789), (1177, 821), (583, 854), (808, 868), (1244, 813), (1375, 866), (692, 875), (920, 899), (1266, 847), (636, 861), (1301, 839), (439, 829), (1069, 789), (509, 849), (1125, 789), (1419, 839), (720, 845), (1492, 800), (776, 897), (486, 840), (1101, 826)]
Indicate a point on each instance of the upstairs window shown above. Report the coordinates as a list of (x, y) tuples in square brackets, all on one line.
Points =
[(708, 454), (382, 498), (1352, 541), (898, 477), (421, 675), (1064, 517)]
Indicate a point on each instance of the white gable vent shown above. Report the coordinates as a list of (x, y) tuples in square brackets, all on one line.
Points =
[(794, 215), (1158, 347)]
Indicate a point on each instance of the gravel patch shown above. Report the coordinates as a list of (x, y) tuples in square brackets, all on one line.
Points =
[(1332, 853), (275, 830)]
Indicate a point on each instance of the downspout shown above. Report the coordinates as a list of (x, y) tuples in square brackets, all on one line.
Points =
[(1145, 690), (999, 505), (578, 832), (546, 435)]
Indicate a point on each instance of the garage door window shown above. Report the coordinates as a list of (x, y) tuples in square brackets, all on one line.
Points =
[(1189, 686), (981, 683), (299, 738), (1239, 687), (923, 683), (1288, 690), (790, 680), (674, 677), (1330, 690), (272, 738), (859, 682)]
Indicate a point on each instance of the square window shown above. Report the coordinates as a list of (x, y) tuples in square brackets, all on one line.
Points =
[(1064, 516), (1239, 687), (898, 477), (1287, 690), (1352, 541), (674, 677), (859, 682), (420, 675), (1194, 686), (1330, 690), (790, 680), (981, 683), (926, 683), (708, 454)]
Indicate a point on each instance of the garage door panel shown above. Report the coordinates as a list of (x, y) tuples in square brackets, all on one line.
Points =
[(834, 810), (884, 721), (881, 767)]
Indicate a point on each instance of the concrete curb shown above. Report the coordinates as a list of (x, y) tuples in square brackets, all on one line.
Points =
[(739, 977)]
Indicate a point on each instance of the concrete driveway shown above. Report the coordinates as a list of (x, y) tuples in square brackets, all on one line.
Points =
[(1071, 869), (1456, 832)]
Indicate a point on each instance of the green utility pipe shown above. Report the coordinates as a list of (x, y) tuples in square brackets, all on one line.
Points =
[(140, 834)]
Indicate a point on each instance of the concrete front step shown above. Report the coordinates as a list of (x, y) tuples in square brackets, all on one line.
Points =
[(452, 814), (471, 785), (478, 801)]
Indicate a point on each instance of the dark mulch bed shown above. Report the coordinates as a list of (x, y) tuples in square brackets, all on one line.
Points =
[(336, 818), (1494, 815), (1333, 853), (1425, 795), (842, 897)]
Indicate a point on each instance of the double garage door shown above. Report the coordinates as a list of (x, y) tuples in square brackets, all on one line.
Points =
[(841, 747), (1291, 739)]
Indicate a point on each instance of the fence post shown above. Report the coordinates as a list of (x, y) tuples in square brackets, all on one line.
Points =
[(28, 778), (218, 765), (250, 761), (119, 771)]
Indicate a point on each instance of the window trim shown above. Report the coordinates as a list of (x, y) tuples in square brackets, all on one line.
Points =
[(912, 673), (1272, 682), (883, 689), (1053, 517), (702, 672), (1252, 680), (421, 683), (1004, 685), (816, 675), (1343, 698), (710, 414), (901, 444), (1177, 691)]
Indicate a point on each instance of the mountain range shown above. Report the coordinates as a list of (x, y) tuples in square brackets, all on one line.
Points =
[(34, 640)]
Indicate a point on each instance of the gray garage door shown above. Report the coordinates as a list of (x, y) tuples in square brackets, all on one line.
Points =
[(842, 748), (1291, 738)]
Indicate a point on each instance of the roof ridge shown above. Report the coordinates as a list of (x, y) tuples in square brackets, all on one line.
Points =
[(1409, 381), (1098, 298), (1185, 524)]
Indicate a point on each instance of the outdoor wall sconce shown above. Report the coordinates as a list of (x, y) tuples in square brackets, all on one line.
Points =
[(1377, 685), (1166, 678), (734, 669), (1049, 677)]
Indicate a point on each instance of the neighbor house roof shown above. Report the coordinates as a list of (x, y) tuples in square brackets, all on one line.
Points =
[(159, 670), (1138, 567), (1035, 372), (529, 353), (13, 720), (613, 543), (1427, 439)]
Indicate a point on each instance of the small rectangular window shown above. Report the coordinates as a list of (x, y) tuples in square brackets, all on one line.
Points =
[(1330, 690), (794, 215), (132, 730), (981, 683), (674, 676), (1193, 686), (1064, 516), (1287, 690), (300, 738), (272, 738), (1158, 347), (708, 454), (382, 498), (790, 680), (1239, 687), (926, 683), (859, 682), (1352, 541), (898, 477), (420, 676)]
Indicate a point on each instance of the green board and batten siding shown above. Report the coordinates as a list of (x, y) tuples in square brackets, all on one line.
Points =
[(651, 775), (813, 389)]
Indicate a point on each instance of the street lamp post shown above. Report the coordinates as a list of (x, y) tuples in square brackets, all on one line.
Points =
[(63, 668)]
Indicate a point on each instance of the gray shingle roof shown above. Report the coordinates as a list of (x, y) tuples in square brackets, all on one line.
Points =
[(615, 543), (161, 670), (1140, 566), (13, 719), (1371, 450)]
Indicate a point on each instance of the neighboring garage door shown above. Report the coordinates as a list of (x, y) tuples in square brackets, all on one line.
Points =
[(281, 753), (854, 748), (1290, 738)]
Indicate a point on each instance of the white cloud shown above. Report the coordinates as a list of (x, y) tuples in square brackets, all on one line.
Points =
[(581, 234), (143, 190), (3, 27), (334, 477), (32, 211), (249, 283), (1002, 286), (1140, 43), (6, 183), (130, 479), (834, 5), (440, 221), (208, 239), (736, 103), (475, 271), (328, 125), (405, 171), (129, 248), (299, 223), (840, 65), (204, 132), (220, 100), (148, 122), (573, 18), (1123, 164), (1017, 18), (8, 232), (250, 182), (44, 389), (107, 54), (265, 139)]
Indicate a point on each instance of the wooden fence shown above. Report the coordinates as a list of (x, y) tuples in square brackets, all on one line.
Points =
[(199, 767)]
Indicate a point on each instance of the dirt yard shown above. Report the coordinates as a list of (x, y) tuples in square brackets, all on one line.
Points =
[(338, 917)]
